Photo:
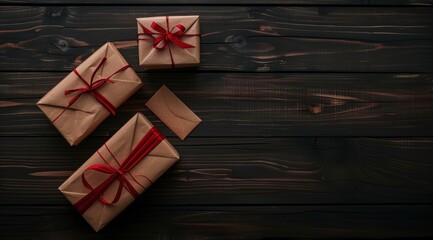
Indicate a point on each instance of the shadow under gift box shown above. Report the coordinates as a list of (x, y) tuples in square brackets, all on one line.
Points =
[(112, 155), (77, 120)]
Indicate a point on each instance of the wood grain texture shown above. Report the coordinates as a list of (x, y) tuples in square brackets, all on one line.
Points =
[(252, 39), (210, 222), (239, 104), (240, 171), (229, 2), (317, 120)]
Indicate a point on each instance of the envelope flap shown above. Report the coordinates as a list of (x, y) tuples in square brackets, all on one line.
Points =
[(114, 62), (176, 106), (162, 56)]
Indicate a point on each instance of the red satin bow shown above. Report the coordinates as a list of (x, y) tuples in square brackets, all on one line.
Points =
[(167, 36), (92, 87), (152, 138)]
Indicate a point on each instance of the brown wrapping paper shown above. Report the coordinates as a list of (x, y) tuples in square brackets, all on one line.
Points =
[(173, 112), (159, 160), (153, 58), (84, 115)]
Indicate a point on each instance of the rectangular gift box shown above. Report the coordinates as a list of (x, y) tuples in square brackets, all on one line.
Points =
[(124, 167), (168, 41), (90, 93)]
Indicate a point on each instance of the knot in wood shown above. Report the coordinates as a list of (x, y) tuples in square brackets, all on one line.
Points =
[(239, 41), (63, 45), (55, 12)]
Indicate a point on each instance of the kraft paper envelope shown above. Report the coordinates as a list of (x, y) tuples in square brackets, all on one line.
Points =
[(152, 166), (85, 114), (150, 57), (173, 112)]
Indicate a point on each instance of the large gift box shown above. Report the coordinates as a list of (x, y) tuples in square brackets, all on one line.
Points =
[(168, 41), (90, 93), (124, 167)]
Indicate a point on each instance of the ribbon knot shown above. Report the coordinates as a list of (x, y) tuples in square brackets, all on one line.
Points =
[(120, 173), (92, 88), (167, 36), (152, 138)]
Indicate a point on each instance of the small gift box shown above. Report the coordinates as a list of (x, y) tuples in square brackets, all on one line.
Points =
[(124, 167), (90, 93), (169, 41)]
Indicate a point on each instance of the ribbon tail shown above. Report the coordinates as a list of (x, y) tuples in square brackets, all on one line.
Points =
[(75, 98), (118, 193), (158, 28), (157, 41), (179, 43)]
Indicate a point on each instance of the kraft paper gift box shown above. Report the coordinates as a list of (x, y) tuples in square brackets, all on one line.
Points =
[(129, 171), (168, 41), (90, 93)]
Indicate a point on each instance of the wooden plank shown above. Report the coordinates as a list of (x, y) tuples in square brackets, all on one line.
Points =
[(239, 104), (239, 222), (230, 2), (252, 39), (240, 171), (363, 87)]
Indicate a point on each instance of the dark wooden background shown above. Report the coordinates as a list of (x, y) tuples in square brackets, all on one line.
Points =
[(317, 119)]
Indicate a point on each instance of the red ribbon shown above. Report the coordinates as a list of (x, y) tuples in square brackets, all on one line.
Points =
[(152, 138), (166, 37), (92, 87)]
